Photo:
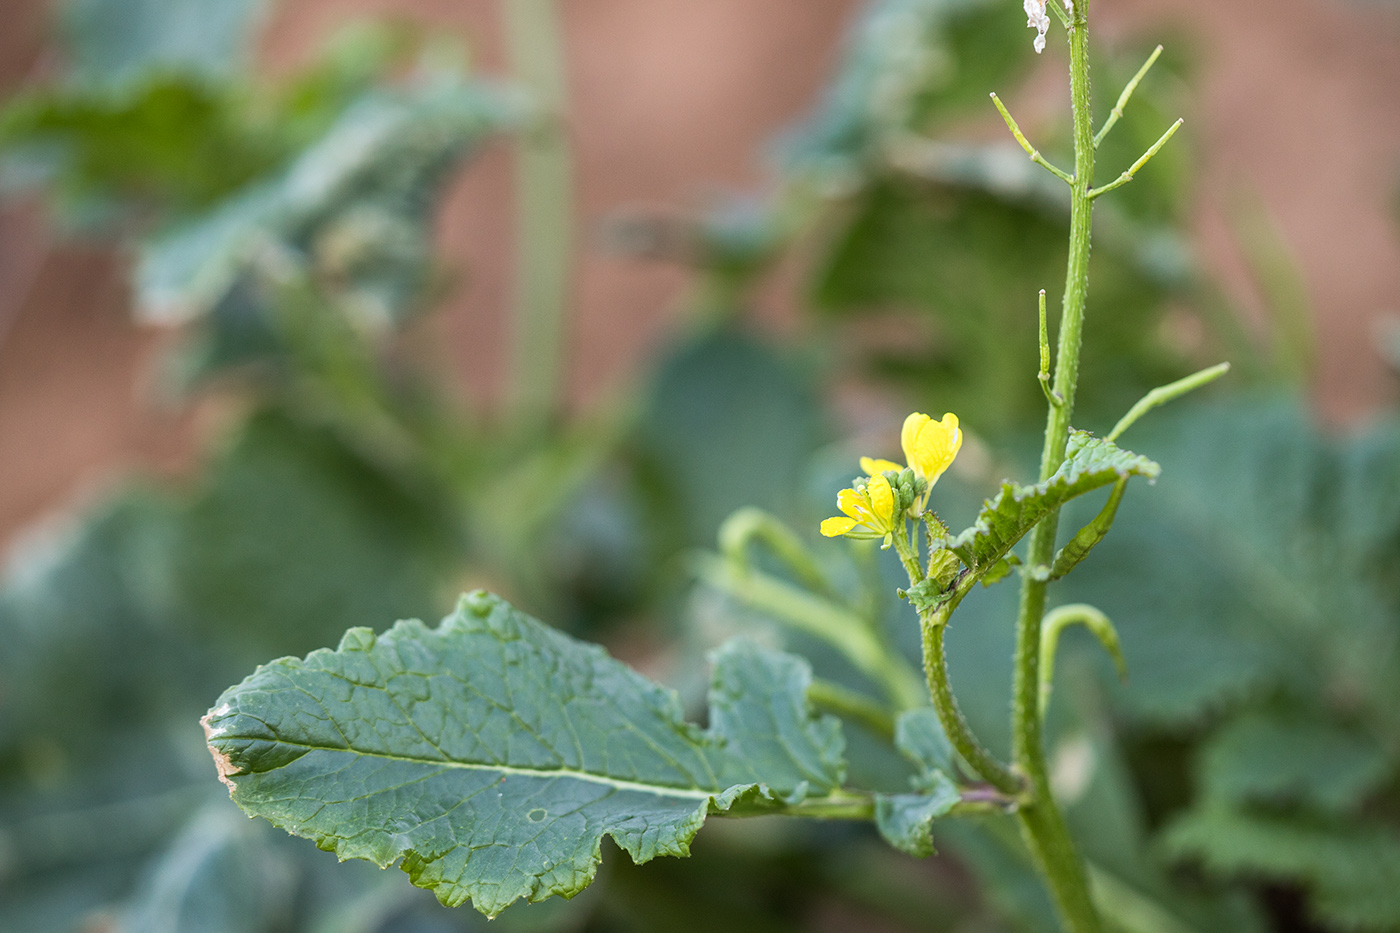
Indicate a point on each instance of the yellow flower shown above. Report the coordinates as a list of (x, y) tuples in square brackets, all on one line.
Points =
[(872, 467), (872, 507), (929, 445)]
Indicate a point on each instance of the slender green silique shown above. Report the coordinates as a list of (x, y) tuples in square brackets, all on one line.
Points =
[(1042, 823)]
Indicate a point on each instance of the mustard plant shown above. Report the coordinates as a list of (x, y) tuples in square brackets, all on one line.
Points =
[(490, 755)]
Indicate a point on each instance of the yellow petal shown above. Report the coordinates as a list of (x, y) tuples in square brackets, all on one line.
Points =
[(871, 467), (853, 504), (912, 425), (881, 502), (935, 445), (836, 527), (950, 424)]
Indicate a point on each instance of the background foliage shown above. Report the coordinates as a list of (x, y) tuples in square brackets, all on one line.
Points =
[(1245, 778)]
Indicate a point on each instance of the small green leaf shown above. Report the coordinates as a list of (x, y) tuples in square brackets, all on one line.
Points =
[(492, 754), (1088, 537), (927, 595), (920, 736), (1090, 462), (906, 820), (1000, 570)]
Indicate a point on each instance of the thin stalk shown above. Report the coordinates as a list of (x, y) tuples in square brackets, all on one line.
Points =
[(849, 704), (1042, 823), (932, 625), (905, 547), (1127, 95), (1136, 167), (847, 805), (1031, 151), (950, 715), (1163, 394), (836, 625), (544, 214)]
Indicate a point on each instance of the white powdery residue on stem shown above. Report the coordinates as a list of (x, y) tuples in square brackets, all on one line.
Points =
[(1039, 19)]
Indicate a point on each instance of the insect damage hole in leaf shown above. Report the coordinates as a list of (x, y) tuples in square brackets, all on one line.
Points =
[(492, 754)]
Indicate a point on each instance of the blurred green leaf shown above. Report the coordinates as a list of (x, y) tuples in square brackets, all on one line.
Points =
[(1353, 871), (1272, 758), (908, 64), (960, 267), (292, 537), (116, 42), (171, 143), (353, 207), (215, 878), (1275, 552), (87, 655), (728, 422), (920, 736)]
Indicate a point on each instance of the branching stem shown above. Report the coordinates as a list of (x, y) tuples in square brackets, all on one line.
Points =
[(1127, 176)]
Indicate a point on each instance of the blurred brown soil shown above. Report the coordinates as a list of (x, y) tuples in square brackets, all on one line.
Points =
[(673, 100)]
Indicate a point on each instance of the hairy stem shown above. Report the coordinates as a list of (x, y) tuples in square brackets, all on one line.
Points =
[(950, 715), (932, 624), (1041, 820)]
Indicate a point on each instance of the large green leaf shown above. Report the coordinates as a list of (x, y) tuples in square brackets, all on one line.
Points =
[(1090, 462), (1275, 552), (492, 754)]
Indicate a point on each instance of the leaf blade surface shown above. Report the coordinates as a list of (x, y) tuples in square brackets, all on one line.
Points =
[(492, 753)]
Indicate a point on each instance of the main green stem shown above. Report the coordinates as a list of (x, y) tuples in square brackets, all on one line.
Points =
[(1042, 823)]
